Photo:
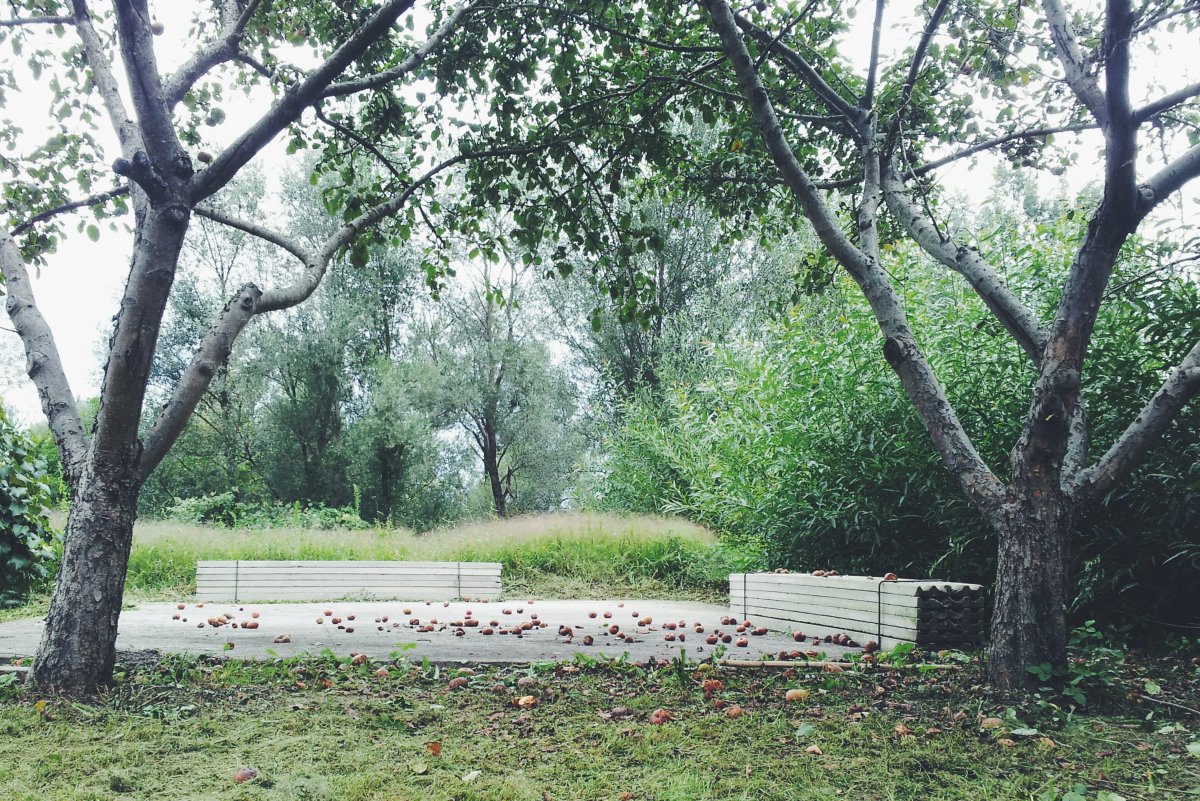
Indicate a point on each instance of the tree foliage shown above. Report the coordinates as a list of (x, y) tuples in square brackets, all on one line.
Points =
[(26, 536), (801, 442)]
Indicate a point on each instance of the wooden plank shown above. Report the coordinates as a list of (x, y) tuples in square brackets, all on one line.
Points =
[(831, 598), (342, 595), (318, 570), (858, 608), (946, 624), (849, 582), (289, 580), (318, 567), (335, 580), (860, 636), (834, 623), (340, 563), (862, 617)]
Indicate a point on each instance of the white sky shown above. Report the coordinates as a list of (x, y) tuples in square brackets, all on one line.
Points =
[(78, 291)]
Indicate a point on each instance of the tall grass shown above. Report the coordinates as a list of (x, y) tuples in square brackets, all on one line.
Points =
[(567, 555)]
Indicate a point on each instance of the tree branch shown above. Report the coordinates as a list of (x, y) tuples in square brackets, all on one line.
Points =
[(1075, 66), (415, 60), (136, 41), (1131, 447), (868, 97), (212, 354), (900, 348), (1017, 318), (291, 105), (362, 142), (1120, 130), (74, 205), (254, 229), (979, 147), (224, 48), (47, 20), (128, 134), (806, 72), (914, 71), (43, 362), (1166, 102), (1167, 181)]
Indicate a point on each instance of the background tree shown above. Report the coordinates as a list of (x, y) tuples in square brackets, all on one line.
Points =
[(492, 376), (698, 287)]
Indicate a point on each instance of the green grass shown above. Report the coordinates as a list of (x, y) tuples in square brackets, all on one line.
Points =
[(183, 731), (553, 555)]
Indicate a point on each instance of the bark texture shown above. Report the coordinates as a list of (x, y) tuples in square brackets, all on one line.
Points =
[(78, 647)]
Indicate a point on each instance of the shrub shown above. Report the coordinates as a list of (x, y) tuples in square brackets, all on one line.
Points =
[(26, 537), (224, 509), (803, 443)]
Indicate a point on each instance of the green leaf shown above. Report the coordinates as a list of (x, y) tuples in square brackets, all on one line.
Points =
[(93, 233), (1151, 687), (805, 730), (1194, 749)]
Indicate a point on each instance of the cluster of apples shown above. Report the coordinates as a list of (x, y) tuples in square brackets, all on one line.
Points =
[(837, 638), (218, 621), (345, 624), (469, 620), (740, 628)]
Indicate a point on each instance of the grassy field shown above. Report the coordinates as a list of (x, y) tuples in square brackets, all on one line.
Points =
[(554, 555), (327, 729)]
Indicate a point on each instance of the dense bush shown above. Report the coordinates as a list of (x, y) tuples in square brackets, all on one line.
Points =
[(26, 538), (225, 510), (804, 444)]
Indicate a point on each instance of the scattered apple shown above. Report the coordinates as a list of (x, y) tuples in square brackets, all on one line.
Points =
[(795, 696), (244, 775), (660, 716), (734, 711)]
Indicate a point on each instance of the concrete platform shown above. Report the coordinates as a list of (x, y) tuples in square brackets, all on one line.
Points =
[(150, 626)]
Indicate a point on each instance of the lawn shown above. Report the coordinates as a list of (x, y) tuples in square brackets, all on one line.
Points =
[(576, 555), (327, 729)]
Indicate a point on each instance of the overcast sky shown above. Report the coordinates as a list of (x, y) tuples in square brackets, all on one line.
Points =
[(78, 290)]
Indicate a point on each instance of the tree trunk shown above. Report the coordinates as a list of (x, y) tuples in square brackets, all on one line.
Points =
[(1029, 616), (78, 647), (491, 466)]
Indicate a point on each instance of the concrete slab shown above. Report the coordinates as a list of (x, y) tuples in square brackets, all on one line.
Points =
[(150, 626)]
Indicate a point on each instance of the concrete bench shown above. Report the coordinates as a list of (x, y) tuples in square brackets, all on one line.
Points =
[(926, 612), (332, 580)]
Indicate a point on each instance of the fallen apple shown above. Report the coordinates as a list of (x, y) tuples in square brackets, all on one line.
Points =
[(244, 775)]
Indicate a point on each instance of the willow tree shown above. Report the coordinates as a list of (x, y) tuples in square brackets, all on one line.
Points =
[(975, 77), (344, 78)]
